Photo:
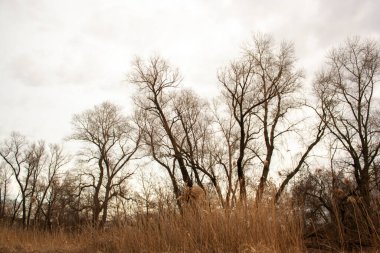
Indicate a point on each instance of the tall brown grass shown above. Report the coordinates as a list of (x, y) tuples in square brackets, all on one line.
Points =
[(264, 229)]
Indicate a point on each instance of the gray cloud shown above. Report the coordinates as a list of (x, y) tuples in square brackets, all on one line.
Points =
[(60, 57)]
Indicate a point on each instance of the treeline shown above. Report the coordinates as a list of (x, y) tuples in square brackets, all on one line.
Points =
[(229, 146)]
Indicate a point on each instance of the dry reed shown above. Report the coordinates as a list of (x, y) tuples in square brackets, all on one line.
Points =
[(264, 229)]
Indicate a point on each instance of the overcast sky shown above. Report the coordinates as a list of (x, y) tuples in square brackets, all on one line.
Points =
[(58, 58)]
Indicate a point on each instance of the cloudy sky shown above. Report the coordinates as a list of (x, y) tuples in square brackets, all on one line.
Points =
[(58, 58)]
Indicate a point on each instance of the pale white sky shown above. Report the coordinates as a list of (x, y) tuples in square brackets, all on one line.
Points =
[(58, 58)]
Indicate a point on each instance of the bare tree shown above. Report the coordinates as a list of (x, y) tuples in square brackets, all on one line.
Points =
[(196, 132), (5, 177), (30, 163), (249, 84), (224, 145), (154, 78), (242, 96), (188, 108), (346, 88), (157, 145), (47, 182), (111, 142), (318, 133), (278, 80), (26, 162)]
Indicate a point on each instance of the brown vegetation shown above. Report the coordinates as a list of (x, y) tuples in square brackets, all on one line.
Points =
[(255, 230)]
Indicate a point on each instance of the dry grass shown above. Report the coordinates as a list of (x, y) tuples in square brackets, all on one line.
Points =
[(254, 230)]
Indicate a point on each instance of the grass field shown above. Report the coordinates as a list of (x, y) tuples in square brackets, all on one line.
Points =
[(255, 230)]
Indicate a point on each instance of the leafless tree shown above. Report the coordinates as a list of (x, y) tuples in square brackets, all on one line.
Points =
[(26, 162), (145, 198), (318, 134), (278, 80), (110, 144), (30, 162), (154, 78), (196, 132), (242, 96), (5, 177), (225, 144), (346, 87), (191, 129), (48, 181), (157, 145), (261, 79)]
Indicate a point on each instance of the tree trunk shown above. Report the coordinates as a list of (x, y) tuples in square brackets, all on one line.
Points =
[(240, 168)]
